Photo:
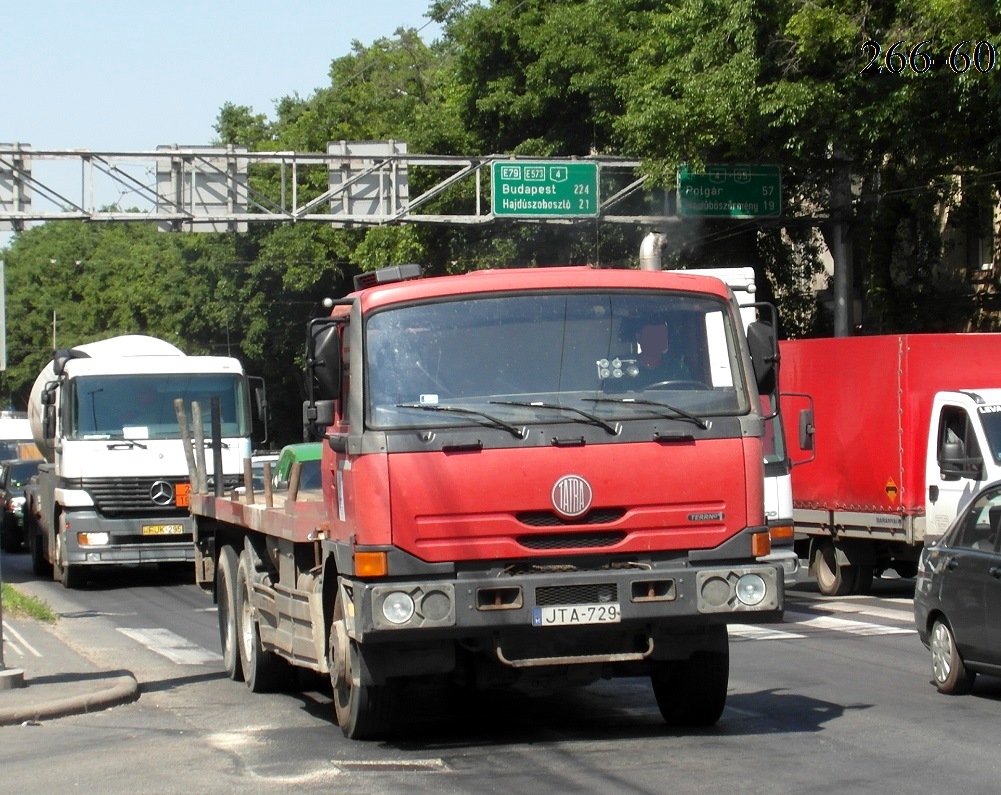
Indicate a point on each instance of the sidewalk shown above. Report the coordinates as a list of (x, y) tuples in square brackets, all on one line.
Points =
[(57, 681)]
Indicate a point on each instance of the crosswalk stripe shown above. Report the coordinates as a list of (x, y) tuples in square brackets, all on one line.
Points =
[(863, 609), (172, 646), (810, 621), (752, 632)]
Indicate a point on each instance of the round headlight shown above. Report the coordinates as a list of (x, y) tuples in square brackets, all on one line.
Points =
[(398, 607), (751, 589)]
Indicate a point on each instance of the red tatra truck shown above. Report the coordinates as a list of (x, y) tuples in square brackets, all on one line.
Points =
[(896, 434), (513, 494)]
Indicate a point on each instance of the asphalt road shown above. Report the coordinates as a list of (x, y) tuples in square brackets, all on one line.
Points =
[(835, 699)]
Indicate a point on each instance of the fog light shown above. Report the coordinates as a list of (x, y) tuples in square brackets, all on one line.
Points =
[(93, 539), (398, 607), (751, 589)]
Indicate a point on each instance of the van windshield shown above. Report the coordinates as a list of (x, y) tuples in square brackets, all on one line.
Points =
[(590, 351), (142, 407)]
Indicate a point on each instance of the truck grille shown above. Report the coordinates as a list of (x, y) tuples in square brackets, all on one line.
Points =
[(551, 541), (583, 594), (551, 519), (125, 496)]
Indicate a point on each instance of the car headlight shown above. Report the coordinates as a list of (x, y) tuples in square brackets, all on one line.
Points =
[(398, 607), (751, 589)]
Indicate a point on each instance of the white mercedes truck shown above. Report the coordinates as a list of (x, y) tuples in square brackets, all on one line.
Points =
[(113, 489)]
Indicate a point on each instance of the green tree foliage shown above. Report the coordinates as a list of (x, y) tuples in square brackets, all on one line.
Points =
[(79, 283), (670, 83)]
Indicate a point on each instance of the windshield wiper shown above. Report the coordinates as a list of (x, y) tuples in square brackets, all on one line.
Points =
[(491, 421), (593, 420), (126, 444), (679, 414)]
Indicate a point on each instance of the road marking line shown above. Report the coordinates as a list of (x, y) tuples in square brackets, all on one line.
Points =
[(811, 621), (10, 631), (754, 632), (860, 609), (173, 647)]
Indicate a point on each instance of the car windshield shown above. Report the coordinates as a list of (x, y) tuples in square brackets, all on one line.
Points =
[(20, 473), (523, 358), (980, 527), (142, 407)]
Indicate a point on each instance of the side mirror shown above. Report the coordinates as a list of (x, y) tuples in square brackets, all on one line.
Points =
[(316, 416), (49, 421), (261, 401), (764, 355), (952, 452), (324, 359), (806, 429), (955, 463)]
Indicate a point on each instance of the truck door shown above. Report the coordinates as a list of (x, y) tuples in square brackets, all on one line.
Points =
[(955, 468)]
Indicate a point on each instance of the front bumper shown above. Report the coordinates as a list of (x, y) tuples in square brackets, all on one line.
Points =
[(127, 542), (673, 596)]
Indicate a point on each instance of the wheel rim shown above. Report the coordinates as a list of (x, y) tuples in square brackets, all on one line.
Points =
[(247, 624), (826, 567), (941, 652)]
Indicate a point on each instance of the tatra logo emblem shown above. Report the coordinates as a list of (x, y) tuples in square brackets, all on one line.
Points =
[(572, 496), (161, 492)]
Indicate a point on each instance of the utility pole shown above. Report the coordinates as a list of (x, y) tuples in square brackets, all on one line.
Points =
[(839, 242)]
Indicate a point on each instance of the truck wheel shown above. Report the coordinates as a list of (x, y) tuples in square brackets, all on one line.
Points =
[(36, 548), (364, 711), (863, 579), (833, 579), (70, 576), (907, 569), (948, 669), (263, 670), (229, 635), (692, 693)]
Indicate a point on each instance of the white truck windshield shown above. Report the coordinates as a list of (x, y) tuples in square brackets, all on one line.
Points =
[(586, 351), (142, 407)]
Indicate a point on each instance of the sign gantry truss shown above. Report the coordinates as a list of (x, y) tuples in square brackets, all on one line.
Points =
[(215, 189)]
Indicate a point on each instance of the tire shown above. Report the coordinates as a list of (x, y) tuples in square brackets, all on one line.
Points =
[(863, 579), (71, 576), (949, 672), (263, 670), (36, 547), (364, 711), (692, 693), (226, 596), (907, 569), (832, 578)]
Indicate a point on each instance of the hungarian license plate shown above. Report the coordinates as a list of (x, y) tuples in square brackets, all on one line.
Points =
[(162, 529), (570, 615)]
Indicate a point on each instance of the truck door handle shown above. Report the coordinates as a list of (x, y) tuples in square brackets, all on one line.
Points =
[(952, 564), (933, 494), (995, 572)]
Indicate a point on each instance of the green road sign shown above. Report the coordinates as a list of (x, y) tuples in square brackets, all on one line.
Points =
[(544, 189), (731, 192)]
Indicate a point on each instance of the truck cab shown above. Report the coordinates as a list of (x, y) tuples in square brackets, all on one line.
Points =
[(963, 453)]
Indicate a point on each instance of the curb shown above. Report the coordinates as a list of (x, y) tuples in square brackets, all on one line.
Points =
[(46, 700)]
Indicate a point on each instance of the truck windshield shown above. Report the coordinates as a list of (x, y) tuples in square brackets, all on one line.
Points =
[(990, 417), (142, 407), (496, 353)]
